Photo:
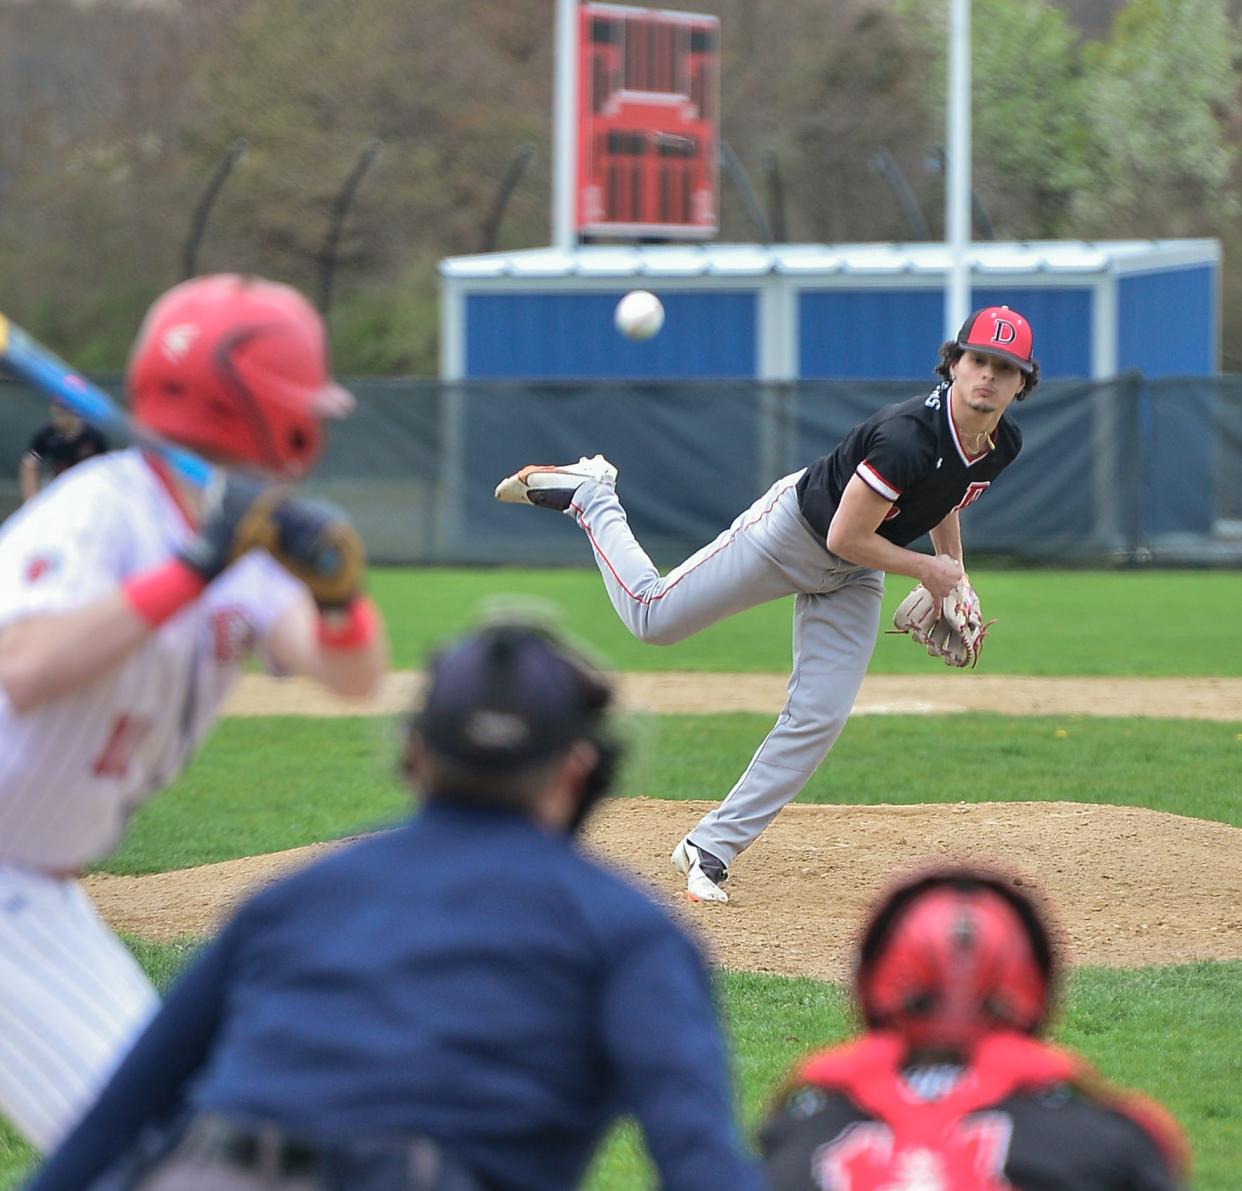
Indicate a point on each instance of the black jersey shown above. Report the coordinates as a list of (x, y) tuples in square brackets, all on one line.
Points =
[(1010, 1128), (61, 451), (1055, 1140), (910, 453)]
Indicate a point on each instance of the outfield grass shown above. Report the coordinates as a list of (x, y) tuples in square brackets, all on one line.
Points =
[(1049, 622), (1185, 767), (1120, 1020), (264, 784)]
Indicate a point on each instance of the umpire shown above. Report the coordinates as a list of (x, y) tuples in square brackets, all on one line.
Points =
[(463, 1002)]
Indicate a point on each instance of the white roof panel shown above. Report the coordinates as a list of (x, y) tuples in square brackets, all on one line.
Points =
[(808, 258), (743, 260), (608, 262), (734, 260), (684, 260)]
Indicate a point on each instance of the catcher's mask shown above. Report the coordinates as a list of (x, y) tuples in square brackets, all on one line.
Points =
[(512, 695), (952, 955), (236, 367)]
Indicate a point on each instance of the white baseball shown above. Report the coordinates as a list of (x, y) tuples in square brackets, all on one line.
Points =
[(640, 314)]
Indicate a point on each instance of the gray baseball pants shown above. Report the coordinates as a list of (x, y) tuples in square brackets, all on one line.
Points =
[(768, 552)]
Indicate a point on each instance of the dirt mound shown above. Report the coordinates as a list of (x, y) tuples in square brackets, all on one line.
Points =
[(1131, 887)]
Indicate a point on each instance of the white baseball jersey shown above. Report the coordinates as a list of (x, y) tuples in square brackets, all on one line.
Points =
[(72, 770)]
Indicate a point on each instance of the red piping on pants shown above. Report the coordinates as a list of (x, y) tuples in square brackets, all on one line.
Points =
[(651, 599)]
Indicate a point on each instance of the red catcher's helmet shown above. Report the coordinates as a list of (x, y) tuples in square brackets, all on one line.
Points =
[(952, 955), (236, 367)]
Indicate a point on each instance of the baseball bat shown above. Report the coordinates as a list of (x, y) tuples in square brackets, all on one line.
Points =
[(33, 363)]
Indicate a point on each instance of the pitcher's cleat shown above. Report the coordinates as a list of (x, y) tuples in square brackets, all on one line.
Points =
[(704, 873), (550, 487)]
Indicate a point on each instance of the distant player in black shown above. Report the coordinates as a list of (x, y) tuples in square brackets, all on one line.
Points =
[(65, 440), (826, 535), (951, 1088)]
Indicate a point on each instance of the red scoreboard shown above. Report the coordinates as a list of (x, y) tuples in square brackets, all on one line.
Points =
[(648, 116)]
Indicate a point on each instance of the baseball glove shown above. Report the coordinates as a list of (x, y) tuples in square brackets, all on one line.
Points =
[(316, 542), (313, 540), (952, 629)]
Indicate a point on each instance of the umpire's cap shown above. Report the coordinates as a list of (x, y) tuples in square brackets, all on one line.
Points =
[(509, 695)]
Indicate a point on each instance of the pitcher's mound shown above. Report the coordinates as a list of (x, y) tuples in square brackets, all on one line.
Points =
[(1128, 887)]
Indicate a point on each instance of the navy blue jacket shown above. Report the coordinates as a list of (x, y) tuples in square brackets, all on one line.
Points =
[(466, 976)]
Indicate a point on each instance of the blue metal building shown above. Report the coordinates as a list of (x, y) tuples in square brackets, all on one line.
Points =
[(818, 311)]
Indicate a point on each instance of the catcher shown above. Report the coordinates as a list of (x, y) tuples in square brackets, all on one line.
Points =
[(906, 471), (950, 1088)]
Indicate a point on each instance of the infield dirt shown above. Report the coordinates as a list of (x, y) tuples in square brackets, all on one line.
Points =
[(681, 692), (1130, 887)]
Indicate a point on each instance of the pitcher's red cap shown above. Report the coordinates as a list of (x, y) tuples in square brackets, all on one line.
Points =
[(998, 331)]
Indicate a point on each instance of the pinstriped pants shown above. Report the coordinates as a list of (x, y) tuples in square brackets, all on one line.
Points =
[(767, 553), (72, 999)]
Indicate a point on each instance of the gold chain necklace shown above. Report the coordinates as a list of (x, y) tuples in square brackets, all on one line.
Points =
[(981, 440)]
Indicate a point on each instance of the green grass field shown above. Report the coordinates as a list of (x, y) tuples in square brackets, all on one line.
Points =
[(1048, 622), (322, 779), (1121, 1021), (265, 784)]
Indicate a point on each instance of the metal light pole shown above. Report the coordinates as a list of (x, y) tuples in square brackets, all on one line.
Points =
[(564, 146), (957, 171)]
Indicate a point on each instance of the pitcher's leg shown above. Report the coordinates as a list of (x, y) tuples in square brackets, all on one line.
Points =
[(729, 575), (834, 635)]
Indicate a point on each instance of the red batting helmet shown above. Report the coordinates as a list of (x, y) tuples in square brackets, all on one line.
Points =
[(236, 367), (952, 955)]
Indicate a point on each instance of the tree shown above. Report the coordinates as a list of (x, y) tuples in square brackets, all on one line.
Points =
[(309, 83), (852, 85), (90, 200), (1029, 150), (1158, 94), (117, 112)]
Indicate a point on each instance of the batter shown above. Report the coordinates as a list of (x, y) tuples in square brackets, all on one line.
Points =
[(123, 626)]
